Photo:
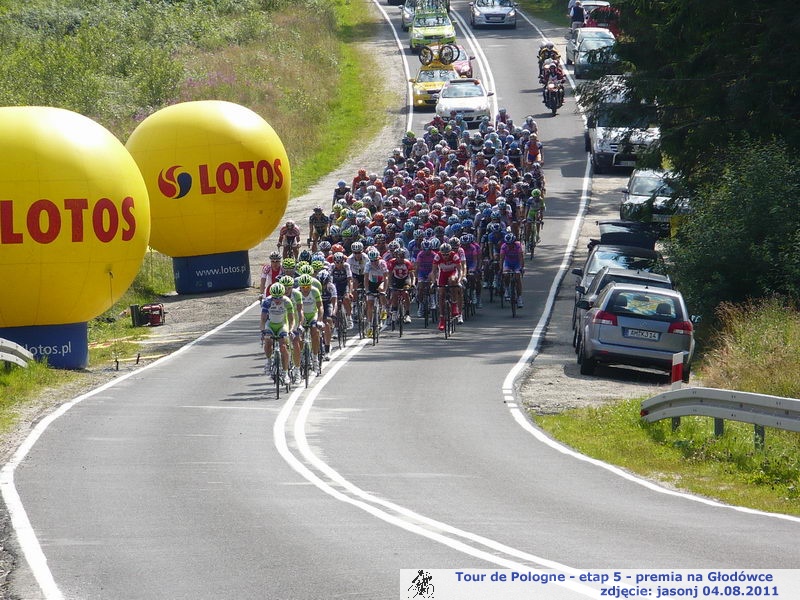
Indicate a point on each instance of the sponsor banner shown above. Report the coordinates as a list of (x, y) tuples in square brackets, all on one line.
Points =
[(63, 346), (212, 272)]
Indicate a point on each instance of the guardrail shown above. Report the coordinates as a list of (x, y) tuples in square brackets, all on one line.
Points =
[(761, 410), (11, 352)]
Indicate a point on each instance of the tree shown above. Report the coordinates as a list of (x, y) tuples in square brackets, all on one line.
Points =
[(719, 69), (743, 239)]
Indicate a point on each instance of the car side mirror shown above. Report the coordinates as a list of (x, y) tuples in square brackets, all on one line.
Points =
[(578, 272), (490, 94), (584, 304), (580, 289), (412, 80), (696, 319), (623, 190)]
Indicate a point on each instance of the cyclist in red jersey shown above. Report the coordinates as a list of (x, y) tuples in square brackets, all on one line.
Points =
[(446, 270)]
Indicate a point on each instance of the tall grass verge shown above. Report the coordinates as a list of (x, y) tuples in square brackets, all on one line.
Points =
[(757, 349)]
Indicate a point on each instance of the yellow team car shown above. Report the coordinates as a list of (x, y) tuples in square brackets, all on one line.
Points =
[(429, 82), (429, 28)]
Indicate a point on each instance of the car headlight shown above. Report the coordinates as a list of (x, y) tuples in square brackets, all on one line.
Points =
[(512, 14)]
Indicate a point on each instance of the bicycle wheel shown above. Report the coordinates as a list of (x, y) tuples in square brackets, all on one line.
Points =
[(426, 309), (513, 298), (276, 373), (375, 324), (401, 316), (448, 309), (305, 363)]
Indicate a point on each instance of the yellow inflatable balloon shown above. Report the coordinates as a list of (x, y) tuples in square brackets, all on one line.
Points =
[(74, 217), (218, 177)]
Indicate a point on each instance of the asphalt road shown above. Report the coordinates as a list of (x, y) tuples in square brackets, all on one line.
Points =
[(190, 480)]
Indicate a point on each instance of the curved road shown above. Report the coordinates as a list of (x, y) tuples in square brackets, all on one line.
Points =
[(188, 479)]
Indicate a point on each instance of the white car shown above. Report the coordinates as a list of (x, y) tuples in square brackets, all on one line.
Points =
[(493, 12), (467, 97)]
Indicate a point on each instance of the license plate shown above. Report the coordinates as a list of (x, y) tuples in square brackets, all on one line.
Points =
[(661, 218), (494, 18), (627, 163), (642, 334)]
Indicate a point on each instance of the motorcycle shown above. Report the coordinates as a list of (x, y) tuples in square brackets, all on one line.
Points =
[(554, 95)]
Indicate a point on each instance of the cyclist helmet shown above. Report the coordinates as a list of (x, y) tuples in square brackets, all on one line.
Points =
[(434, 243), (510, 238), (287, 281), (465, 239), (368, 241), (536, 192), (305, 269), (357, 247), (318, 256), (445, 248), (305, 280), (426, 244), (317, 209), (325, 246), (466, 223), (394, 245), (289, 224), (339, 258), (373, 254), (455, 242), (276, 290), (323, 276), (289, 263), (305, 255), (347, 232), (274, 256), (337, 248), (408, 227), (318, 265)]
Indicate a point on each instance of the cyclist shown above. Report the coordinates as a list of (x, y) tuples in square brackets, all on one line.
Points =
[(294, 333), (289, 239), (277, 317), (512, 257), (375, 274), (535, 213), (310, 309), (329, 303), (472, 255), (342, 278), (270, 273), (318, 224), (401, 279), (423, 264), (446, 268)]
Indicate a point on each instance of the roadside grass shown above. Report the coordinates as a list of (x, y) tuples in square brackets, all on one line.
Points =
[(553, 11), (757, 349)]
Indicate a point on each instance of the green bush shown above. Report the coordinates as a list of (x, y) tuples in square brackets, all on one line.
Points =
[(743, 238)]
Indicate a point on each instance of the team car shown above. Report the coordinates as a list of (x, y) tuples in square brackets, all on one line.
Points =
[(429, 82), (465, 96), (430, 28), (493, 12)]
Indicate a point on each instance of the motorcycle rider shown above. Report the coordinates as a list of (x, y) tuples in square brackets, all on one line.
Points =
[(555, 75)]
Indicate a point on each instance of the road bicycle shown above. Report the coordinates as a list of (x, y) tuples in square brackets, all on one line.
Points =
[(448, 306), (398, 317), (427, 303), (532, 232), (470, 295), (378, 315), (360, 312), (274, 365), (340, 322), (308, 361), (510, 283)]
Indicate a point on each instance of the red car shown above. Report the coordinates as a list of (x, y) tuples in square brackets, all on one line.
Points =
[(462, 62), (606, 17)]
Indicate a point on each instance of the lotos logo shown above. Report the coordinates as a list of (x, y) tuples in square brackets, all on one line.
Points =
[(227, 178), (173, 186)]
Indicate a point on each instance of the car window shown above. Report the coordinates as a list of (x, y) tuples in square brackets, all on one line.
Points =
[(607, 258), (650, 185), (436, 75), (620, 115), (649, 305), (462, 91), (600, 282)]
